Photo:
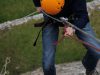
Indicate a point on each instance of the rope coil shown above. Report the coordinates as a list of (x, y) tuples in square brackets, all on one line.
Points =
[(4, 70)]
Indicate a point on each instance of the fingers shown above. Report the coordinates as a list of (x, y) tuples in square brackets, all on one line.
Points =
[(39, 9), (68, 34), (68, 31)]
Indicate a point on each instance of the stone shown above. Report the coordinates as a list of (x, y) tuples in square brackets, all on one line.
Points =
[(73, 68)]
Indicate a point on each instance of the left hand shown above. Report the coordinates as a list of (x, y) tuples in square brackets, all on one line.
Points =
[(69, 31), (39, 9)]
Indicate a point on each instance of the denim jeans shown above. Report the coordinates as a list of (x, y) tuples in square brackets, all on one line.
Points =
[(50, 35)]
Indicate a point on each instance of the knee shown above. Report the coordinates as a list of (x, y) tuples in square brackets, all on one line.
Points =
[(96, 54)]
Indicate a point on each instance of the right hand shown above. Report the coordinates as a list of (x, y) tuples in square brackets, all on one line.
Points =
[(39, 9), (69, 31)]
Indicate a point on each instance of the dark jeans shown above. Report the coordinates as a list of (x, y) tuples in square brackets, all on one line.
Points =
[(50, 35)]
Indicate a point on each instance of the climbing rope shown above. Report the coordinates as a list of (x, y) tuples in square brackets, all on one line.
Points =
[(31, 14), (65, 22), (4, 70)]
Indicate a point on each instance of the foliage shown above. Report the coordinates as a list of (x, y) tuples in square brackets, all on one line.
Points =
[(12, 9)]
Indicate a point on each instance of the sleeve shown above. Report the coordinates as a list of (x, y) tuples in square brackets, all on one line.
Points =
[(81, 15), (36, 3)]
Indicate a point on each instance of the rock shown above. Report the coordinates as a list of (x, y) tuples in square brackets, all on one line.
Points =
[(74, 68), (95, 4), (20, 21)]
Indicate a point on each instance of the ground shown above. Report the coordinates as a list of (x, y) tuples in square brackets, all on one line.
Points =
[(74, 68)]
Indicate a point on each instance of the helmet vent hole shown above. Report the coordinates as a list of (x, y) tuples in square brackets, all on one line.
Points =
[(61, 7), (58, 8), (58, 3)]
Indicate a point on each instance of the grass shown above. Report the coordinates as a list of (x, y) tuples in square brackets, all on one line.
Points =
[(17, 43), (12, 9), (95, 22)]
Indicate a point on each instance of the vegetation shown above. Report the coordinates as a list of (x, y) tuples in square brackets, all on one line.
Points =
[(12, 9)]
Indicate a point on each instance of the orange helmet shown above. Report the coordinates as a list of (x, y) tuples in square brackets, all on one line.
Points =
[(52, 7)]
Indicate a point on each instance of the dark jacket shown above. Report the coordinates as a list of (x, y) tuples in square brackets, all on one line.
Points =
[(75, 8)]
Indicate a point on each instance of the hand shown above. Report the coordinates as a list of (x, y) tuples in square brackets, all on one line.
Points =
[(68, 31), (39, 9)]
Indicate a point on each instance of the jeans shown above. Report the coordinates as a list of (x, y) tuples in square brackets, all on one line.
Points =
[(50, 35)]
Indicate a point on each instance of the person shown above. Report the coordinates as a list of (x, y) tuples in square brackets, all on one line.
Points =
[(79, 16)]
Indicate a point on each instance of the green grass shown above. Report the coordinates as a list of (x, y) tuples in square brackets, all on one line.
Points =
[(95, 22), (12, 9), (17, 43)]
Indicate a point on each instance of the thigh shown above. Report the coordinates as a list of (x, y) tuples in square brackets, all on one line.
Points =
[(49, 36), (88, 39)]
